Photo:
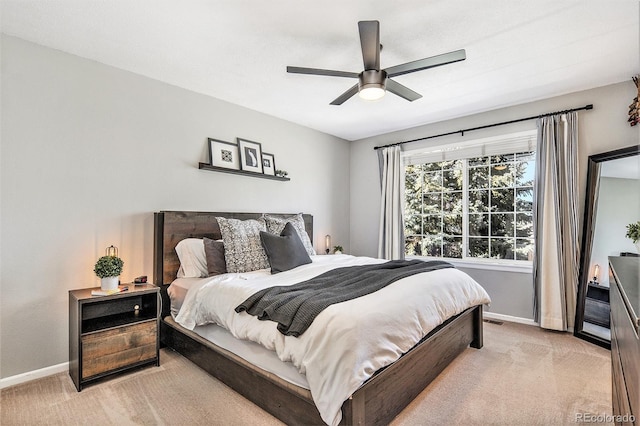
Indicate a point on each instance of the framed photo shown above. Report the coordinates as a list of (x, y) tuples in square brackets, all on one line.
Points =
[(268, 164), (223, 154), (250, 155)]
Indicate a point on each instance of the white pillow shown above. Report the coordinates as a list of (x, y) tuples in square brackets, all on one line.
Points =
[(193, 261)]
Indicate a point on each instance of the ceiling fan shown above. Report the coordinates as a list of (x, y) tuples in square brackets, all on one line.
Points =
[(373, 82)]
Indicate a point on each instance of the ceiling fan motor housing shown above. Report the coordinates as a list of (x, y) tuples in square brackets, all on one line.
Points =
[(372, 78)]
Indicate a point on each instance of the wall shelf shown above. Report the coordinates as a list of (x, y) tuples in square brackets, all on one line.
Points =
[(207, 166)]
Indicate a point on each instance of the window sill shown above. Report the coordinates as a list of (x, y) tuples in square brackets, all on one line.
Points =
[(522, 267)]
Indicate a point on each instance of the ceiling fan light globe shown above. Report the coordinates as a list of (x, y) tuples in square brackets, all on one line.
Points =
[(371, 92)]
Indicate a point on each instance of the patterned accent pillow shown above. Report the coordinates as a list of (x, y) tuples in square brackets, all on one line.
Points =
[(275, 225), (243, 251)]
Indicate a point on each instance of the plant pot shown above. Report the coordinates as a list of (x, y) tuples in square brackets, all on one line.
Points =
[(109, 283), (337, 252), (637, 246)]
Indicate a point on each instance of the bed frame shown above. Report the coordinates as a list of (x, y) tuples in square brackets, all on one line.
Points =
[(377, 401)]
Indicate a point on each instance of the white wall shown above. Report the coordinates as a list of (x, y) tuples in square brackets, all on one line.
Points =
[(602, 129), (618, 206), (89, 152)]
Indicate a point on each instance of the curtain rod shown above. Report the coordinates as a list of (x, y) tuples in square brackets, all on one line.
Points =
[(586, 107)]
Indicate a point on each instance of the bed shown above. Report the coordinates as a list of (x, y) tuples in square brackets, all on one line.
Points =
[(377, 401)]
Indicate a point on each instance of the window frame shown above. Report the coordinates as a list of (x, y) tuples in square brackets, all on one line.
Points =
[(512, 143)]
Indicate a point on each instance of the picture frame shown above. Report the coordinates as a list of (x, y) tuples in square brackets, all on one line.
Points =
[(268, 164), (250, 155), (223, 154)]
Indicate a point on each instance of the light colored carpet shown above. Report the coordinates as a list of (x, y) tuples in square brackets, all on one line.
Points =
[(522, 376)]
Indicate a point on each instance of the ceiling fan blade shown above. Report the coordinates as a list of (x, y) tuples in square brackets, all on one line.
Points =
[(402, 91), (318, 71), (423, 64), (346, 95), (370, 44)]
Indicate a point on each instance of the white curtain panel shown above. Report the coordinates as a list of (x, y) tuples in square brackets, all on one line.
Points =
[(391, 236), (555, 270)]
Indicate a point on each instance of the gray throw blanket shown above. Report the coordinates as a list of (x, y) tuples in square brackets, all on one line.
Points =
[(295, 307)]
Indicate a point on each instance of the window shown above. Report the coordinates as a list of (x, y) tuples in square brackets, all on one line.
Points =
[(476, 206)]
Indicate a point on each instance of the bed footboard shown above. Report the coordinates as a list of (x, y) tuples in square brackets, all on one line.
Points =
[(377, 402)]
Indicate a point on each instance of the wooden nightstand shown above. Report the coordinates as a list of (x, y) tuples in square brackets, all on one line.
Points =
[(110, 334)]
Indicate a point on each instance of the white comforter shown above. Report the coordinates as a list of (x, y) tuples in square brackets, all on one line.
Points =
[(348, 341)]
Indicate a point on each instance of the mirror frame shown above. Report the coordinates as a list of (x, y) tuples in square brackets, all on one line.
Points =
[(593, 178)]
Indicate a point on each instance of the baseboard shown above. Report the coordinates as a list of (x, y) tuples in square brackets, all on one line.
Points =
[(508, 318), (33, 375)]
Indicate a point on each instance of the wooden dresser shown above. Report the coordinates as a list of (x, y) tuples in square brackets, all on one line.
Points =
[(624, 281)]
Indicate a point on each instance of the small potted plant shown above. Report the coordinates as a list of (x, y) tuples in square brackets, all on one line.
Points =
[(633, 232), (337, 249), (108, 269)]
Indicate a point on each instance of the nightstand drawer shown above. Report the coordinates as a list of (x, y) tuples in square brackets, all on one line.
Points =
[(121, 347)]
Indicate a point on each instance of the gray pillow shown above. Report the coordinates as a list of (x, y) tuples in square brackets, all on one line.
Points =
[(285, 251), (243, 251), (214, 252), (275, 225)]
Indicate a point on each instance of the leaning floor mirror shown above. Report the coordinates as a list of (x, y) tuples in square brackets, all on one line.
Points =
[(612, 202)]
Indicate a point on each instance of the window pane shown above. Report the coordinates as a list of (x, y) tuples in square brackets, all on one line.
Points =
[(502, 200), (524, 225), (432, 225), (412, 182), (478, 177), (452, 247), (525, 173), (502, 248), (524, 199), (412, 206), (413, 245), (478, 161), (452, 202), (413, 168), (524, 249), (453, 224), (479, 225), (478, 201), (433, 182), (505, 158), (432, 167), (431, 246), (501, 176), (452, 179), (502, 225), (432, 203), (412, 225), (478, 247)]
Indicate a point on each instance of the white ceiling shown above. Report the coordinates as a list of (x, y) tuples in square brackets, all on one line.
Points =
[(238, 50)]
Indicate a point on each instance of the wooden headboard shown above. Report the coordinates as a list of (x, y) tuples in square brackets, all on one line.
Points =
[(171, 227)]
